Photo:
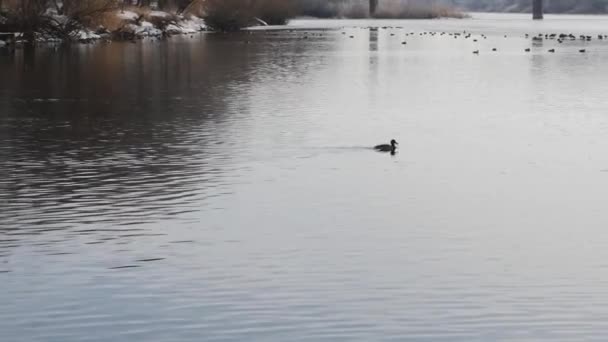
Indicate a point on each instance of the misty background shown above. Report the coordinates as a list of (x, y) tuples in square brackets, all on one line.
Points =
[(551, 6)]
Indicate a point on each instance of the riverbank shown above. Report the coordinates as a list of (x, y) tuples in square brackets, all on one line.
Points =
[(94, 20), (120, 24)]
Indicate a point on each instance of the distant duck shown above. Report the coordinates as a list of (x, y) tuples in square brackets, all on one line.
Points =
[(528, 50), (552, 50), (476, 52), (582, 50), (387, 147)]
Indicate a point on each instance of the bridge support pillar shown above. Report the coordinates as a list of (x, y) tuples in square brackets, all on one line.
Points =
[(537, 9), (373, 5)]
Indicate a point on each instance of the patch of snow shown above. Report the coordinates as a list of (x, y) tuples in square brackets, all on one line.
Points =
[(145, 29), (45, 100), (159, 14), (173, 29), (2, 43), (127, 15), (86, 35), (194, 24), (262, 22), (47, 39)]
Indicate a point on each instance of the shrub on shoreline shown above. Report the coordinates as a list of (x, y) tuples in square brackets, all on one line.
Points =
[(274, 12), (86, 20), (232, 15), (228, 15), (57, 19)]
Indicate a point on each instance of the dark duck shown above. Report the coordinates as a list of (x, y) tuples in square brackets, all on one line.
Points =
[(387, 147)]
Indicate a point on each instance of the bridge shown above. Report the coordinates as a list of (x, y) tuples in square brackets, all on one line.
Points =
[(537, 8)]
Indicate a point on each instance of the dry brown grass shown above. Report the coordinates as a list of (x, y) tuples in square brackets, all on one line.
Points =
[(88, 12), (112, 21), (195, 8), (109, 20)]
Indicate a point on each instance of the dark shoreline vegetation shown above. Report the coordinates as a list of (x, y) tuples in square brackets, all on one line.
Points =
[(32, 21)]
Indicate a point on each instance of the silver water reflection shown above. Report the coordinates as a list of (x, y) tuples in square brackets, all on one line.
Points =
[(222, 187)]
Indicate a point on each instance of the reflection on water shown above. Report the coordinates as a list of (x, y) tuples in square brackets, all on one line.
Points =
[(222, 187)]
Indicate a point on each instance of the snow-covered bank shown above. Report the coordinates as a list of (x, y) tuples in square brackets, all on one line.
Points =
[(133, 25), (113, 25)]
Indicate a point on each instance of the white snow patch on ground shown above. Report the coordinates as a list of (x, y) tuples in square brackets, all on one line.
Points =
[(187, 26), (173, 29), (159, 14), (86, 35), (127, 15), (2, 43), (194, 24), (145, 29)]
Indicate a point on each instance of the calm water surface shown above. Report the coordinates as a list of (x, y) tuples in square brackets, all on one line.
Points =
[(222, 188)]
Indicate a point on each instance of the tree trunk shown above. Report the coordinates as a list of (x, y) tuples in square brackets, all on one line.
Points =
[(537, 9)]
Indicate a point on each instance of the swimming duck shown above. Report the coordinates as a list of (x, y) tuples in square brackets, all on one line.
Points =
[(387, 147)]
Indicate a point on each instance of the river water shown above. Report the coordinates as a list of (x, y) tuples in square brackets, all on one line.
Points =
[(221, 187)]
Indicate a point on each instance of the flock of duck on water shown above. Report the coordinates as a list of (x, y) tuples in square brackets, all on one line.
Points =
[(392, 146), (466, 35)]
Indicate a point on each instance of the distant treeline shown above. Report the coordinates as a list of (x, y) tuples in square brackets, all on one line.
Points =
[(551, 6)]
